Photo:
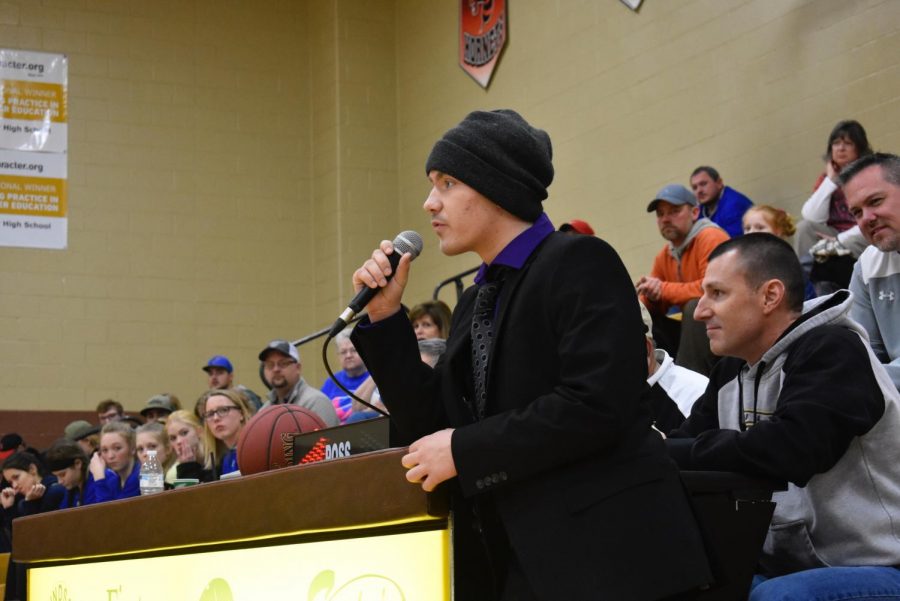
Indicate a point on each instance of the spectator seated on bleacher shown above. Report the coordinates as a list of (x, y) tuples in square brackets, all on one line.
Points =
[(31, 492), (674, 280), (799, 397), (577, 227), (220, 376), (67, 461), (185, 433), (772, 220), (828, 240), (353, 374), (719, 203), (430, 350), (673, 389), (114, 471), (282, 371), (152, 436), (159, 406), (767, 219), (872, 188), (109, 410), (227, 412), (10, 443), (85, 434), (430, 319)]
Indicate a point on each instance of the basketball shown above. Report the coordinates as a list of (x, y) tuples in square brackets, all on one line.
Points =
[(267, 441)]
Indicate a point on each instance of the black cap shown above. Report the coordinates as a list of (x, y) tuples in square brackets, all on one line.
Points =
[(500, 155)]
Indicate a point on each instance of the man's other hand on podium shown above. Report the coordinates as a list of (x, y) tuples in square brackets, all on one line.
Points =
[(430, 460)]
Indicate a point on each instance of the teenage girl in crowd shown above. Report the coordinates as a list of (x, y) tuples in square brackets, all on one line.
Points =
[(66, 460), (30, 492), (152, 437), (114, 471), (185, 434), (225, 415)]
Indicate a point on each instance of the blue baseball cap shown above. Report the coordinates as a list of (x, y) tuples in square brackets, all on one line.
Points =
[(675, 194), (219, 361)]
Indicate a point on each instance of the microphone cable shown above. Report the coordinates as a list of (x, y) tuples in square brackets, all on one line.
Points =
[(350, 393)]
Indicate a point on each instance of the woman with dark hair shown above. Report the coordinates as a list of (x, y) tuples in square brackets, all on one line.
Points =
[(430, 319), (828, 232), (30, 492), (66, 460)]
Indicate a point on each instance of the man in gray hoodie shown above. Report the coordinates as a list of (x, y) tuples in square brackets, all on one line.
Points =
[(872, 188), (799, 396), (674, 281)]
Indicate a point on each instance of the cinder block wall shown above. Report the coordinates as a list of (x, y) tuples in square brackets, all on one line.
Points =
[(231, 163), (634, 101)]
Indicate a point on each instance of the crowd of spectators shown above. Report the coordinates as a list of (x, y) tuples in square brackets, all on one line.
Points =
[(97, 462), (101, 461)]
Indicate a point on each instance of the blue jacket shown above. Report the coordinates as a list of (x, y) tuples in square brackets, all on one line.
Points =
[(76, 497), (52, 498), (109, 489), (730, 211)]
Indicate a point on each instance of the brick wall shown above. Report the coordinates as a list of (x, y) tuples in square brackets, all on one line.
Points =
[(634, 101)]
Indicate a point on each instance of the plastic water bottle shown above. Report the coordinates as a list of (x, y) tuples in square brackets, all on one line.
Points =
[(152, 477)]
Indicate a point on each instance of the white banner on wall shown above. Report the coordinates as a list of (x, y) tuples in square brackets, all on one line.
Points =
[(33, 146)]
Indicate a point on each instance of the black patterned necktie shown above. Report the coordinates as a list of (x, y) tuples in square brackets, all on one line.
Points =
[(482, 340)]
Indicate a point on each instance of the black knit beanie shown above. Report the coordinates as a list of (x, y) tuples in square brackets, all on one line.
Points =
[(501, 156)]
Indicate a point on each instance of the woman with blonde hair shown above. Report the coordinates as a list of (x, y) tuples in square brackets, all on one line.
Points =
[(185, 432), (152, 437), (114, 471), (225, 415)]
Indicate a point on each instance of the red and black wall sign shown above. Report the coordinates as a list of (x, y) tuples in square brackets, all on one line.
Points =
[(482, 35)]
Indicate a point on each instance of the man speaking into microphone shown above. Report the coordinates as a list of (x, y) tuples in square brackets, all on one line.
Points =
[(560, 489)]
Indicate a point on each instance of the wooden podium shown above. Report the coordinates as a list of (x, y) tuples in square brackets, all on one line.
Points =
[(339, 530), (352, 529)]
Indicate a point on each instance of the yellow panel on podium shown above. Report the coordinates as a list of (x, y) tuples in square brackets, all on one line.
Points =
[(341, 530)]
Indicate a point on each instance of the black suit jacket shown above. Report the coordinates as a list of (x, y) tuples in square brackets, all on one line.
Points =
[(590, 502)]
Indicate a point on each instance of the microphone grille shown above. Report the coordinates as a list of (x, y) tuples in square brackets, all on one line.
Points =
[(409, 242)]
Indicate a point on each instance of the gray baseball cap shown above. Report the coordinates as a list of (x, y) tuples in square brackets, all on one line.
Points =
[(675, 194), (281, 346)]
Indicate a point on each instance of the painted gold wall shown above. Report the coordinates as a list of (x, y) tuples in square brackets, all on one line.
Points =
[(231, 162)]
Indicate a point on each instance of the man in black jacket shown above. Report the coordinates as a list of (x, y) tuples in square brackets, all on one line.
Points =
[(560, 489)]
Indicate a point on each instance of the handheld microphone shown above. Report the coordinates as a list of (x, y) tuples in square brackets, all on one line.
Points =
[(405, 242)]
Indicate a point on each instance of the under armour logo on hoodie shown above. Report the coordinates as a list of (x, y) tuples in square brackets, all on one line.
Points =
[(888, 296)]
